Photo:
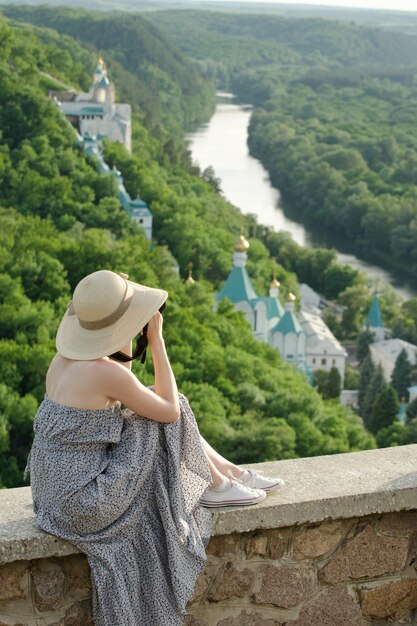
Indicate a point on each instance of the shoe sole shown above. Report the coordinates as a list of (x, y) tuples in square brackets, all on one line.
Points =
[(273, 487), (232, 502)]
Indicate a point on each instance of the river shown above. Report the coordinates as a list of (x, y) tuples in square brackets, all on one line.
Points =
[(222, 144)]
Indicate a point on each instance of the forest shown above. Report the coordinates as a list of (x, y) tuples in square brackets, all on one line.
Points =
[(335, 110), (60, 220)]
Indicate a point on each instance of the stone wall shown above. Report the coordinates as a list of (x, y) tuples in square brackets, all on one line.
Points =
[(336, 546), (54, 591), (347, 572)]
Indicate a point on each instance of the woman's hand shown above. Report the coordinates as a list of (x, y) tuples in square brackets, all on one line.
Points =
[(155, 328)]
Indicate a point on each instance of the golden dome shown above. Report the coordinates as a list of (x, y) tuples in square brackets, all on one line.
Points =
[(291, 297), (190, 280), (275, 284), (241, 244)]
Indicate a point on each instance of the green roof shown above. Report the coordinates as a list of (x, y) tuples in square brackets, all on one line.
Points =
[(273, 306), (238, 287), (87, 110), (103, 82), (138, 202), (374, 318), (288, 324)]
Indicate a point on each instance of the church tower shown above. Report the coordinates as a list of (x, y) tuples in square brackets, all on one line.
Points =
[(373, 320), (288, 337), (238, 287)]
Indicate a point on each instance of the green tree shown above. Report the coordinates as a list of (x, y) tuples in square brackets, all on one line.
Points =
[(365, 338), (411, 410), (384, 411), (393, 435), (356, 300), (334, 383), (328, 383), (321, 381), (375, 388), (351, 378), (411, 431), (365, 375), (401, 376), (309, 438)]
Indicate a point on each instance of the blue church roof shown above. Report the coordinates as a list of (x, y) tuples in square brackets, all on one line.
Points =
[(288, 324), (139, 203), (125, 199), (103, 82), (273, 307), (90, 109), (402, 413), (374, 319), (238, 287)]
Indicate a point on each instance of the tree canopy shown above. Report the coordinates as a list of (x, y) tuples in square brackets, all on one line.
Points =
[(57, 225)]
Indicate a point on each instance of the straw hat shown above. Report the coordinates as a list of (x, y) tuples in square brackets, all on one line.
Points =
[(105, 313)]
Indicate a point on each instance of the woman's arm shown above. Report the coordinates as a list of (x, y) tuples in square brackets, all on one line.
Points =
[(162, 404), (165, 383)]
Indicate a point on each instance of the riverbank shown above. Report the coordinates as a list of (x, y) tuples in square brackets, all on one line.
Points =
[(222, 144)]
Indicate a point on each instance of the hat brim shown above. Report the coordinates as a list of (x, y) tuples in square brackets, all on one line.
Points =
[(78, 343)]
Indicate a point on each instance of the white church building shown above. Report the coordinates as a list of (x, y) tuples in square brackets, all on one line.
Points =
[(384, 350), (96, 116), (302, 339), (96, 112)]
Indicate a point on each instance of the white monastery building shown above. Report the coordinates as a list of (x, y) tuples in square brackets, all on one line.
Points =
[(302, 339), (385, 351), (96, 116), (95, 112)]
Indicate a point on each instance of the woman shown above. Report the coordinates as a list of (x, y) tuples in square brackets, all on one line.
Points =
[(126, 486)]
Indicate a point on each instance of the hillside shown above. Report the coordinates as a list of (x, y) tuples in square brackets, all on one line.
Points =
[(59, 220), (291, 45), (151, 73), (334, 123)]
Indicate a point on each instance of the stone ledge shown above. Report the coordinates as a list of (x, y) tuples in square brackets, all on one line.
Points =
[(352, 484)]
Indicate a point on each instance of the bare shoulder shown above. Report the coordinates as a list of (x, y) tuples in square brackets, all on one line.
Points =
[(103, 369), (107, 367)]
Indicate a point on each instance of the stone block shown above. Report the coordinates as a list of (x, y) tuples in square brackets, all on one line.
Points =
[(312, 542), (79, 614), (394, 600), (234, 582), (201, 586), (12, 580), (256, 545), (333, 607), (249, 619), (77, 572), (285, 585), (403, 523), (224, 545), (366, 555), (48, 583), (277, 544), (190, 620)]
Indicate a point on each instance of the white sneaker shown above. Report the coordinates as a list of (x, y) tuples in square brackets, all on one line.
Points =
[(236, 494), (253, 479)]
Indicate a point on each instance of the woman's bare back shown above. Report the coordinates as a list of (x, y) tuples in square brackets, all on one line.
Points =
[(77, 383)]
